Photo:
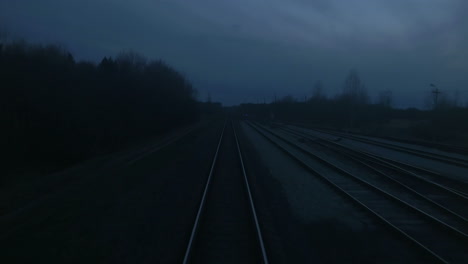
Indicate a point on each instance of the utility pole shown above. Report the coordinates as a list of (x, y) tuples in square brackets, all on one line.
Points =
[(435, 93)]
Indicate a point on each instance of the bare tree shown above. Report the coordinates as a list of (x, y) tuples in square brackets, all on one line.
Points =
[(354, 90), (131, 59), (447, 101), (456, 98), (385, 98), (4, 38), (287, 99), (317, 91), (3, 35)]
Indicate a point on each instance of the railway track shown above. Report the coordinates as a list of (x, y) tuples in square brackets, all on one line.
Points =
[(424, 176), (444, 147), (463, 150), (226, 228), (460, 162), (453, 206), (444, 241)]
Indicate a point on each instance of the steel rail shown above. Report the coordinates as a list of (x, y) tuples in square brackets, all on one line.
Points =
[(386, 162), (343, 171), (330, 182), (421, 153), (361, 160), (251, 202), (430, 144), (196, 224), (398, 165), (201, 208)]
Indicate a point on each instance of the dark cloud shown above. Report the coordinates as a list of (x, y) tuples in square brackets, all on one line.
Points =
[(247, 50)]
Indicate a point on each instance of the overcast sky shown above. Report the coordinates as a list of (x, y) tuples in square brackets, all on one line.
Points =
[(249, 50)]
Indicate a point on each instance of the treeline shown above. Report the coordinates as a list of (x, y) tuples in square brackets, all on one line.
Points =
[(56, 111), (353, 110)]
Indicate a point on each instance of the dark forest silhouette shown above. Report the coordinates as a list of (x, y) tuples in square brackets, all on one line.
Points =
[(56, 111), (352, 110)]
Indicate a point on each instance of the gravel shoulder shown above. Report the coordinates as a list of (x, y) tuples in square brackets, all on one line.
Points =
[(141, 213), (24, 191), (307, 221)]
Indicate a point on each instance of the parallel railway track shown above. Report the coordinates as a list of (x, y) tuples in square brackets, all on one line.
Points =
[(425, 176), (449, 207), (463, 150), (461, 162), (438, 232), (226, 228)]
